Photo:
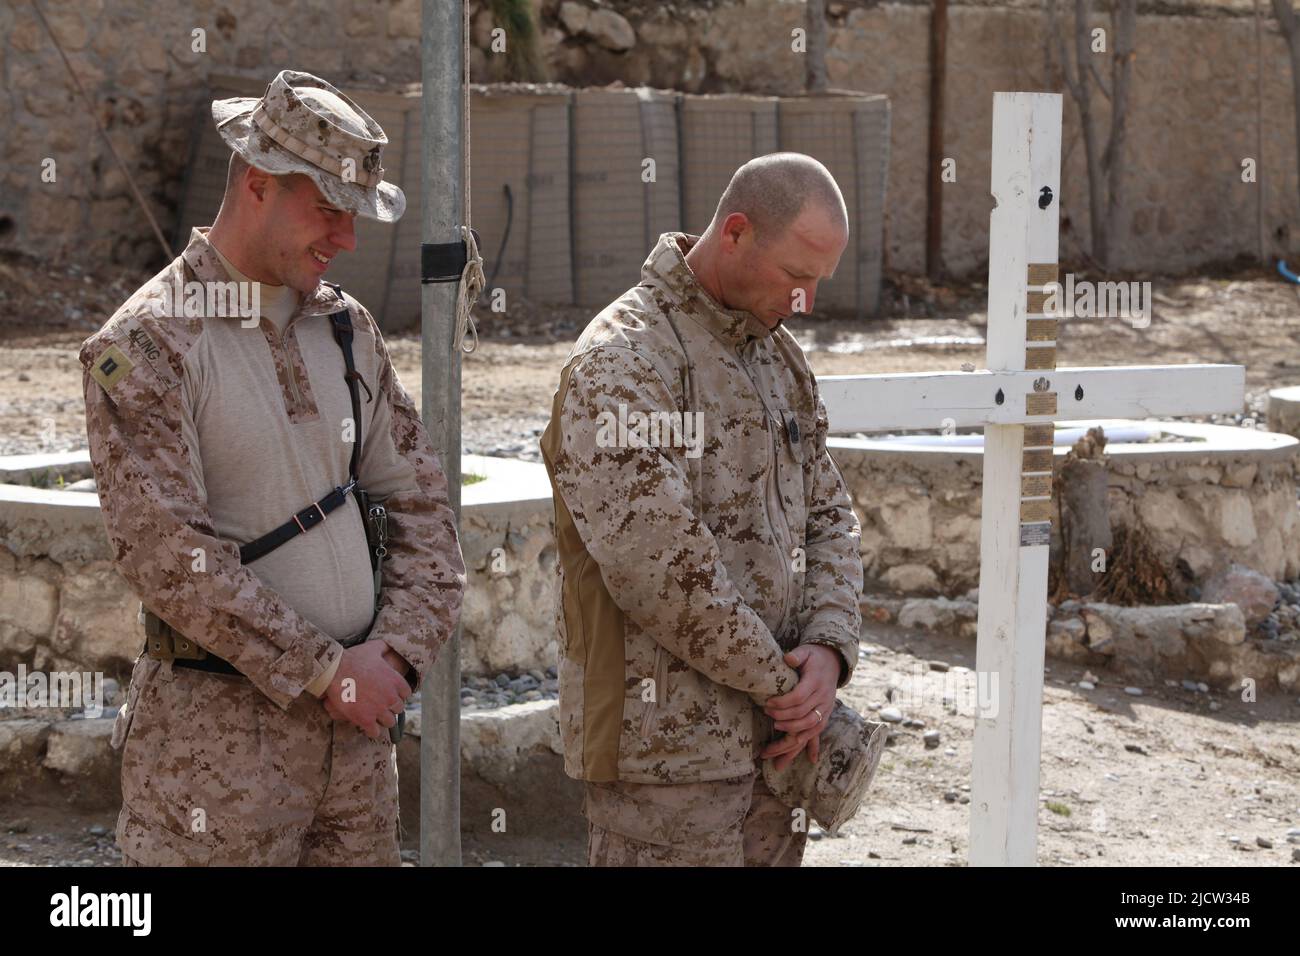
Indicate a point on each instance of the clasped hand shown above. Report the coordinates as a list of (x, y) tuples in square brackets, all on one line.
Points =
[(802, 713), (379, 690)]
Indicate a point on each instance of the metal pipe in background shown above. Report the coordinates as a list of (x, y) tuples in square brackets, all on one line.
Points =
[(442, 212)]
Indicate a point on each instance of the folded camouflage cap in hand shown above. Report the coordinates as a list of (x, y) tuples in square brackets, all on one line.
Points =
[(832, 789)]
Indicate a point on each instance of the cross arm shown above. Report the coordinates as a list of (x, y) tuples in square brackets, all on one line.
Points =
[(923, 400)]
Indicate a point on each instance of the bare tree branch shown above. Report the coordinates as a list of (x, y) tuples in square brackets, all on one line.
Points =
[(1096, 75), (1285, 17), (815, 74), (1055, 27), (1124, 26)]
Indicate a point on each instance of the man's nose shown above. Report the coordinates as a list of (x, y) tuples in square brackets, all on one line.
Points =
[(345, 235)]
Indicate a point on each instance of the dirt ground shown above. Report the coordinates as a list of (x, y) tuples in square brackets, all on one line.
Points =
[(1249, 317), (1157, 779)]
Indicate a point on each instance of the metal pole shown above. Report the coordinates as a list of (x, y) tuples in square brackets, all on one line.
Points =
[(442, 211)]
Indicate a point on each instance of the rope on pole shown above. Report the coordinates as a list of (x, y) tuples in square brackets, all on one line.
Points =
[(471, 284), (471, 278)]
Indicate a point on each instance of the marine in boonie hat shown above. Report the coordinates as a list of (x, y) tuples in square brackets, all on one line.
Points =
[(302, 124)]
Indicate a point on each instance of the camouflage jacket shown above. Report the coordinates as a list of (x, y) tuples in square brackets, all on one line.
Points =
[(206, 433), (694, 550)]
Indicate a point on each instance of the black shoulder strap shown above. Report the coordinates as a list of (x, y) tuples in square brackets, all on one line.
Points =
[(315, 513), (342, 322)]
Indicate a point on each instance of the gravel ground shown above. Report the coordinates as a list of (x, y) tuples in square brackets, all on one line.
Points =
[(1156, 778)]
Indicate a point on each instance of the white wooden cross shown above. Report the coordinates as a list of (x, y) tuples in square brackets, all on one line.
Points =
[(1015, 400)]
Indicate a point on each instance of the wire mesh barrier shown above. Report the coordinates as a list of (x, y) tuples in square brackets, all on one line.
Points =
[(570, 189), (850, 136), (520, 184), (618, 213)]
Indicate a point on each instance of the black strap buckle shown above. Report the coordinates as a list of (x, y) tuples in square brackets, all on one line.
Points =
[(306, 516)]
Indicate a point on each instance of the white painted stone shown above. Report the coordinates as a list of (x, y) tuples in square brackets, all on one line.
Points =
[(907, 517), (1237, 520)]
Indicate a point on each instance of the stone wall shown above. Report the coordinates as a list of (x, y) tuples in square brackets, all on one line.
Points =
[(1191, 118), (64, 607), (1191, 121), (136, 61), (920, 510), (1203, 643), (509, 612)]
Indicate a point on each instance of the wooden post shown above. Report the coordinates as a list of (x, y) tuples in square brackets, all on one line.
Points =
[(1013, 551), (1015, 400)]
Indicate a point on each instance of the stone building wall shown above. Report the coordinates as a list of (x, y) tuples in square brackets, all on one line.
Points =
[(1192, 119), (136, 61)]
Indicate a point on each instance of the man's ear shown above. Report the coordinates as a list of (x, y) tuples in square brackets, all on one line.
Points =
[(734, 228), (259, 183)]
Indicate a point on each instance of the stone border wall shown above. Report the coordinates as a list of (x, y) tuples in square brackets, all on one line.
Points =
[(64, 607), (1210, 507)]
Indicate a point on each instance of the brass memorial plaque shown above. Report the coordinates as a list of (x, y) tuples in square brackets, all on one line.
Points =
[(1039, 435), (1034, 302), (1041, 330), (1038, 460), (1040, 357), (1038, 510), (1041, 273), (1034, 486), (1040, 403)]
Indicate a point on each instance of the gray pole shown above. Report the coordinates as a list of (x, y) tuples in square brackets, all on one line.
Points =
[(442, 212)]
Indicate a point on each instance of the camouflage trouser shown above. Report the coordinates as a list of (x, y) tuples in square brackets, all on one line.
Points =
[(733, 822), (215, 774)]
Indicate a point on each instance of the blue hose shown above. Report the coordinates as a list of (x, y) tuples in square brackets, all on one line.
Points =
[(1287, 273)]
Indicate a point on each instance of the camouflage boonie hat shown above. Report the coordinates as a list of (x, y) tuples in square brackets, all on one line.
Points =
[(302, 124), (831, 790)]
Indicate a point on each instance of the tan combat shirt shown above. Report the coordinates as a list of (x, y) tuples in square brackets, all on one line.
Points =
[(205, 434)]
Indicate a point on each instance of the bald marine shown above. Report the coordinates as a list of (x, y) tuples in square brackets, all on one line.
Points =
[(780, 227)]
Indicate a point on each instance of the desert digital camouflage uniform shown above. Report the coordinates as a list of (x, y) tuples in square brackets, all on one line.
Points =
[(684, 577), (205, 434)]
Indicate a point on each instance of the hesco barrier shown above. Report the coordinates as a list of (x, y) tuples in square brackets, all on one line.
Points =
[(571, 188)]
